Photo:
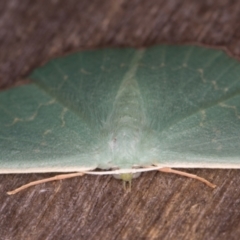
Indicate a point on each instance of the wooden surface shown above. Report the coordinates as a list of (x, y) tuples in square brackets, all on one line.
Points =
[(160, 206)]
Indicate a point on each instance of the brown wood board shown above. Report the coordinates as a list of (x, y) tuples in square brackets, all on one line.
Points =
[(159, 206)]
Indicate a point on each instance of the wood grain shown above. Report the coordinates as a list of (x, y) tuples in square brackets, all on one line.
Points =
[(160, 206)]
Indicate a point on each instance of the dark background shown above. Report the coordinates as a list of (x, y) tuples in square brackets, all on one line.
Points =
[(160, 206)]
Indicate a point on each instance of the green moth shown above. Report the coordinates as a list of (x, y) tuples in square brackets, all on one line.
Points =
[(124, 111)]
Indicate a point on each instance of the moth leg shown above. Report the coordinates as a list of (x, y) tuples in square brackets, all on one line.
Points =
[(170, 170), (127, 186), (55, 178)]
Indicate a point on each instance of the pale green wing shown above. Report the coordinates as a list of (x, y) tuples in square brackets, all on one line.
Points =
[(192, 101), (40, 135), (86, 82), (53, 126), (171, 106)]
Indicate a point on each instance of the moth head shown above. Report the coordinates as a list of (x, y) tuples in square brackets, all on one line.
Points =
[(127, 179)]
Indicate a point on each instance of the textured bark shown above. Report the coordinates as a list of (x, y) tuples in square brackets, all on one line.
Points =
[(160, 206)]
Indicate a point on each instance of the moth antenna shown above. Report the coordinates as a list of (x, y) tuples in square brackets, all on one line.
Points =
[(189, 175), (55, 178)]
